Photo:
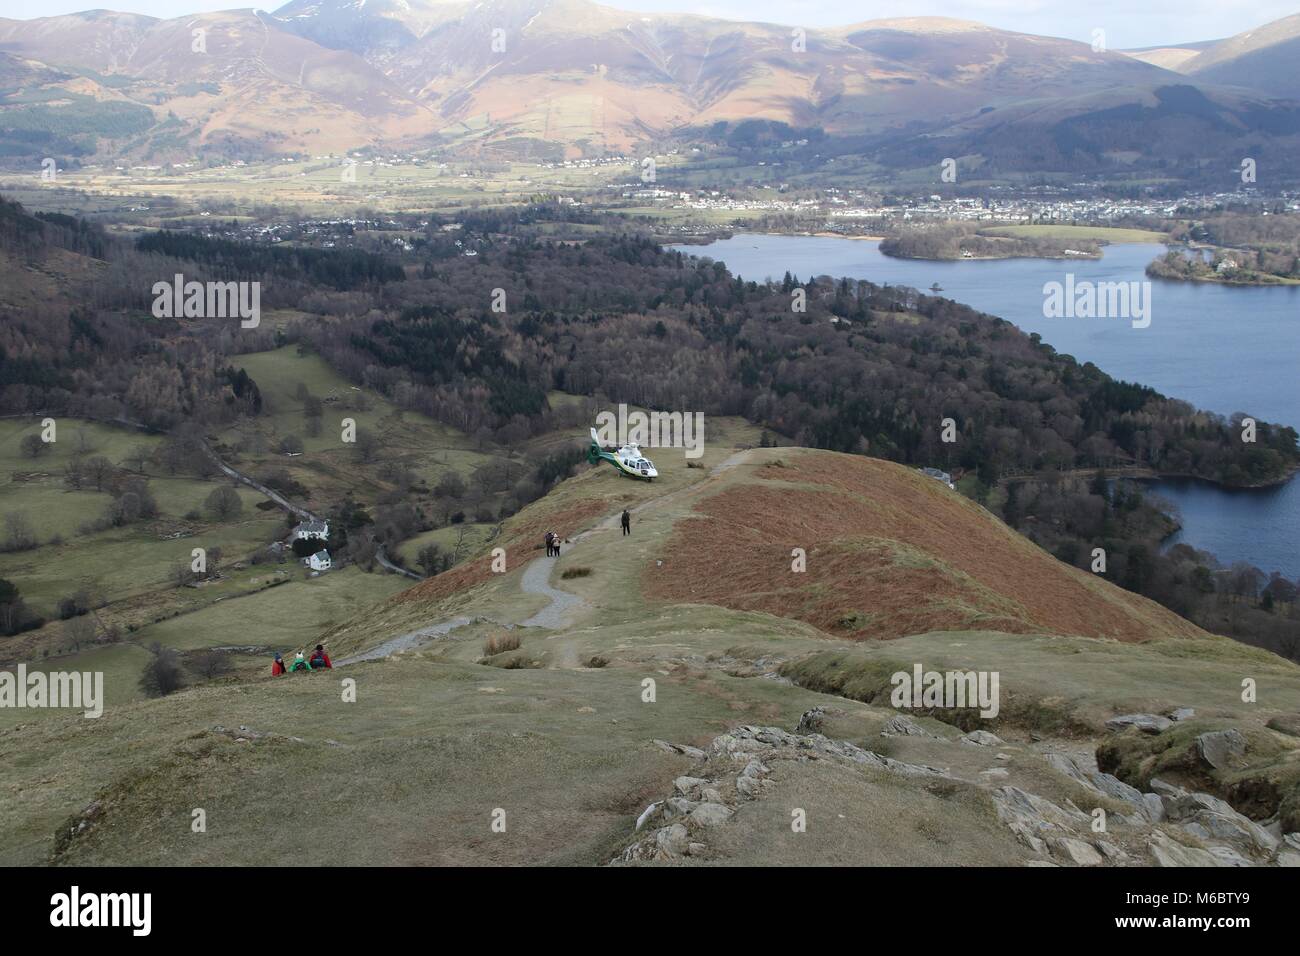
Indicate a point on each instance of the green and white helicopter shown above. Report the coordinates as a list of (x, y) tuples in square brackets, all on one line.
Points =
[(628, 459)]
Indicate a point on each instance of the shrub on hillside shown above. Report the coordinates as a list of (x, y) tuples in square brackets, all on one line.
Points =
[(500, 643), (162, 675)]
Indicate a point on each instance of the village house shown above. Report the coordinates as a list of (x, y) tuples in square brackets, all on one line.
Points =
[(312, 529), (320, 561)]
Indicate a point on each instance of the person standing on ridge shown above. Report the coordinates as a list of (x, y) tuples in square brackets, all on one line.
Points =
[(627, 522)]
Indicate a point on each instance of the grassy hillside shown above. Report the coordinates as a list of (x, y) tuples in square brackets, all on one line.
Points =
[(889, 552), (557, 732)]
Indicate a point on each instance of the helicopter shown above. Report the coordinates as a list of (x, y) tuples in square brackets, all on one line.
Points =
[(628, 459)]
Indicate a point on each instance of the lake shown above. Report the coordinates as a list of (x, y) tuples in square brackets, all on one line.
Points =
[(1224, 349)]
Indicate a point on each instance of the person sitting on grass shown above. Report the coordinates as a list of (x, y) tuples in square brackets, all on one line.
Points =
[(277, 666), (300, 663), (320, 659)]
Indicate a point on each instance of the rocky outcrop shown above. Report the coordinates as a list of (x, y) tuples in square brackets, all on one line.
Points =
[(902, 726), (1147, 723), (982, 738), (1221, 749), (1209, 818), (1147, 806), (1168, 826), (733, 770)]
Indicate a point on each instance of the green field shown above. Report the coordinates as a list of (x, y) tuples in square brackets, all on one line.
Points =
[(1096, 233), (116, 563), (284, 618), (329, 467), (123, 562)]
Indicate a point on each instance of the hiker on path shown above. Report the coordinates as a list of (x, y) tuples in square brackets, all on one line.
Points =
[(627, 522), (277, 666), (550, 544), (299, 663), (320, 659)]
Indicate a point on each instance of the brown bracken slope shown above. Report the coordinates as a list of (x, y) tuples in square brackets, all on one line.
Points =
[(890, 552)]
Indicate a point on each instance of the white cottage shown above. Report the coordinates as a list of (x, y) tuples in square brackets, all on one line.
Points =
[(320, 561)]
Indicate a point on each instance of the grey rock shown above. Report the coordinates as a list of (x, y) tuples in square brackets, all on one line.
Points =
[(1235, 829), (1208, 818), (1181, 713), (982, 738), (672, 841), (1155, 807), (710, 815), (748, 786), (710, 795), (811, 721), (1188, 805), (678, 806), (1288, 851), (1111, 852), (1168, 852), (693, 752), (913, 769), (1165, 789), (902, 726), (1107, 785), (1069, 766), (1147, 723), (1032, 818), (1227, 856), (687, 786), (1019, 802), (1221, 749), (1074, 851)]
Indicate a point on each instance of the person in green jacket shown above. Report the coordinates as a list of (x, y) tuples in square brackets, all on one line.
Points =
[(300, 663)]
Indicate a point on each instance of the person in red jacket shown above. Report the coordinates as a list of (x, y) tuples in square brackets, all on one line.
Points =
[(320, 658), (277, 668)]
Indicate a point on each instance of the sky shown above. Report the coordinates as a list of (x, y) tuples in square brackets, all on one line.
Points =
[(1126, 23)]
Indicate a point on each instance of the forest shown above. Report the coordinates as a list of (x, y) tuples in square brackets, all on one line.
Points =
[(478, 342)]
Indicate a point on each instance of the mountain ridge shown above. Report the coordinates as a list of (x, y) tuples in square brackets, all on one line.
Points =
[(331, 76)]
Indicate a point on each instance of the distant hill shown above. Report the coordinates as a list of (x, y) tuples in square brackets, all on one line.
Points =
[(1263, 59), (569, 77), (1170, 57)]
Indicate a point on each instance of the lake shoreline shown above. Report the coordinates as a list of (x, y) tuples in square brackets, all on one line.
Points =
[(1143, 473), (1219, 350)]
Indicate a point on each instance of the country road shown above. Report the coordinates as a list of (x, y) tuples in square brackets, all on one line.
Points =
[(537, 580), (382, 558)]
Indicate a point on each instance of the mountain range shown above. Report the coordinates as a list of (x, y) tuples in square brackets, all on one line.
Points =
[(569, 78)]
